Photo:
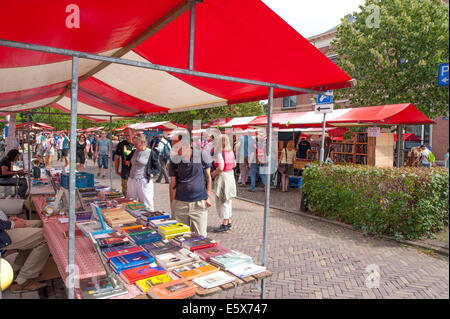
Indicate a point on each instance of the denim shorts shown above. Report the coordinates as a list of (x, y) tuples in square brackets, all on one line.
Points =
[(103, 161)]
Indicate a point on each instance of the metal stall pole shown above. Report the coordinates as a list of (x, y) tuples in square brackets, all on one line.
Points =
[(322, 148), (110, 153), (29, 166), (267, 199), (70, 282), (191, 35)]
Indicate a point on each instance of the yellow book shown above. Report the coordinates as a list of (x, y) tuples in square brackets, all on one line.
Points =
[(146, 283), (178, 228)]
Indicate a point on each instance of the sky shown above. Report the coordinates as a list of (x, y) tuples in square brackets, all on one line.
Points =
[(311, 17)]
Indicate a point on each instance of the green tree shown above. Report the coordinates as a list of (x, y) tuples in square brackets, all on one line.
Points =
[(393, 49)]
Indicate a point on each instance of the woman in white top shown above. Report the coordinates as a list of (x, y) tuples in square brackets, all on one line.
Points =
[(286, 167), (49, 150)]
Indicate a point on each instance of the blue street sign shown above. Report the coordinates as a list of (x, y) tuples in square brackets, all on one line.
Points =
[(443, 77), (324, 99)]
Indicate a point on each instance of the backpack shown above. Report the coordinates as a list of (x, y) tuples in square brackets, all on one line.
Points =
[(431, 158), (165, 151), (152, 167)]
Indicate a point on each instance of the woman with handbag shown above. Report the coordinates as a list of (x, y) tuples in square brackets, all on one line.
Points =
[(286, 166)]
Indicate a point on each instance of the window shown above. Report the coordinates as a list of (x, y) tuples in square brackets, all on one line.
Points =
[(289, 102)]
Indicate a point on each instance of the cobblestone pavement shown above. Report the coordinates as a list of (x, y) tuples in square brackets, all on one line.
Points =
[(312, 259)]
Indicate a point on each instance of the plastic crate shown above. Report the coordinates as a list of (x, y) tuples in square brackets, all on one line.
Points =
[(295, 182), (82, 180)]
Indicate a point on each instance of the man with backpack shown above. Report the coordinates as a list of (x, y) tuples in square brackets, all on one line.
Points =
[(164, 150)]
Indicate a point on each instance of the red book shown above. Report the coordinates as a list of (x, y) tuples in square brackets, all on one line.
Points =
[(127, 250), (134, 274)]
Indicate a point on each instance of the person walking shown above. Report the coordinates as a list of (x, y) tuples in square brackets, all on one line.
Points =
[(164, 150), (123, 157), (49, 150), (103, 151), (65, 149), (286, 167), (94, 144), (59, 146), (189, 189), (225, 184), (81, 152), (114, 143), (244, 147), (144, 166)]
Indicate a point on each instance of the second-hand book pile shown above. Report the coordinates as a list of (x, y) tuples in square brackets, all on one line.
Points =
[(163, 258)]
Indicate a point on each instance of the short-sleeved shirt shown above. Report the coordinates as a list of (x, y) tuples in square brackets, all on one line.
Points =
[(425, 154), (139, 162), (65, 142), (303, 147), (103, 146), (5, 162), (125, 151), (190, 180)]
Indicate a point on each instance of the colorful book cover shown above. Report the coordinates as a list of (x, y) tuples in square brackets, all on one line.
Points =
[(160, 247), (112, 240), (174, 259), (145, 284), (148, 215), (123, 228), (178, 228), (145, 238), (136, 231), (155, 223), (213, 280), (199, 243), (134, 274), (231, 259), (194, 270), (245, 270), (175, 289), (135, 207), (128, 261), (120, 251), (207, 253), (185, 237)]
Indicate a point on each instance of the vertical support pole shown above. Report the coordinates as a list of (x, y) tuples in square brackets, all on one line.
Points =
[(399, 145), (110, 153), (322, 147), (422, 135), (191, 35), (267, 199), (431, 137), (29, 166), (70, 282)]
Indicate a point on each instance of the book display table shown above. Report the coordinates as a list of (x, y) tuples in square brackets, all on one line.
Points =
[(88, 263)]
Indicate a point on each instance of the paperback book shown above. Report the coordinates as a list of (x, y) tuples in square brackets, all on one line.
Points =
[(120, 251), (145, 284), (230, 259), (95, 228), (207, 253), (245, 270), (215, 279), (171, 260), (133, 260), (112, 240), (161, 247), (145, 238), (198, 243), (175, 289), (155, 223), (194, 270), (172, 230), (130, 276), (147, 215)]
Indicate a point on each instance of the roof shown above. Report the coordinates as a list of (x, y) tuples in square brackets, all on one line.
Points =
[(229, 36)]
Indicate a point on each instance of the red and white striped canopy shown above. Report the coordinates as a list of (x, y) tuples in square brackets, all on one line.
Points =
[(239, 38), (406, 114), (36, 125)]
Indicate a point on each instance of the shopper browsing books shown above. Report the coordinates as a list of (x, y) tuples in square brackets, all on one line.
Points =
[(81, 152), (286, 167), (225, 186), (144, 166), (190, 187), (7, 173), (123, 157)]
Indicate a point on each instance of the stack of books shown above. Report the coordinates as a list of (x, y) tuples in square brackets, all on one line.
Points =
[(112, 240), (147, 215), (110, 194), (117, 217), (161, 247), (171, 260), (135, 209), (194, 270), (194, 242), (175, 289), (130, 276), (145, 238), (155, 223), (207, 253), (215, 279), (172, 230), (231, 259), (128, 261), (112, 252), (145, 284)]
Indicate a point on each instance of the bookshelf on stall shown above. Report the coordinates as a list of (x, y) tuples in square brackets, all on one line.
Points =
[(365, 150)]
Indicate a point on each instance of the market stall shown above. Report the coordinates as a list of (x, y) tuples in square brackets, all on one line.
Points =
[(150, 36)]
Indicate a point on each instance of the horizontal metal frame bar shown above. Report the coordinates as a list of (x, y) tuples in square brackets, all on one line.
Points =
[(146, 65)]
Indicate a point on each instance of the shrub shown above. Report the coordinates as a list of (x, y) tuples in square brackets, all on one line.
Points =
[(404, 202)]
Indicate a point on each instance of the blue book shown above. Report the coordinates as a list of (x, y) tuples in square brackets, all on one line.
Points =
[(145, 238), (147, 215), (129, 261)]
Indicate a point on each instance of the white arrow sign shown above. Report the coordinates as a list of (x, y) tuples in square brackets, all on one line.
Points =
[(323, 108)]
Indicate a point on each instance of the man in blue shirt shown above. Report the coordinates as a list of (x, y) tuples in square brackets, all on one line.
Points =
[(244, 147), (190, 187)]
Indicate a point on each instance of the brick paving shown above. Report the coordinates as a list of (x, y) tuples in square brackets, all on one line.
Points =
[(312, 259)]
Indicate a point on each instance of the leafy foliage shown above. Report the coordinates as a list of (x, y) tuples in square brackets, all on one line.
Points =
[(396, 61), (403, 202)]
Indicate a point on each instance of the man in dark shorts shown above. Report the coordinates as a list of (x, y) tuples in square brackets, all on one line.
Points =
[(124, 153)]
